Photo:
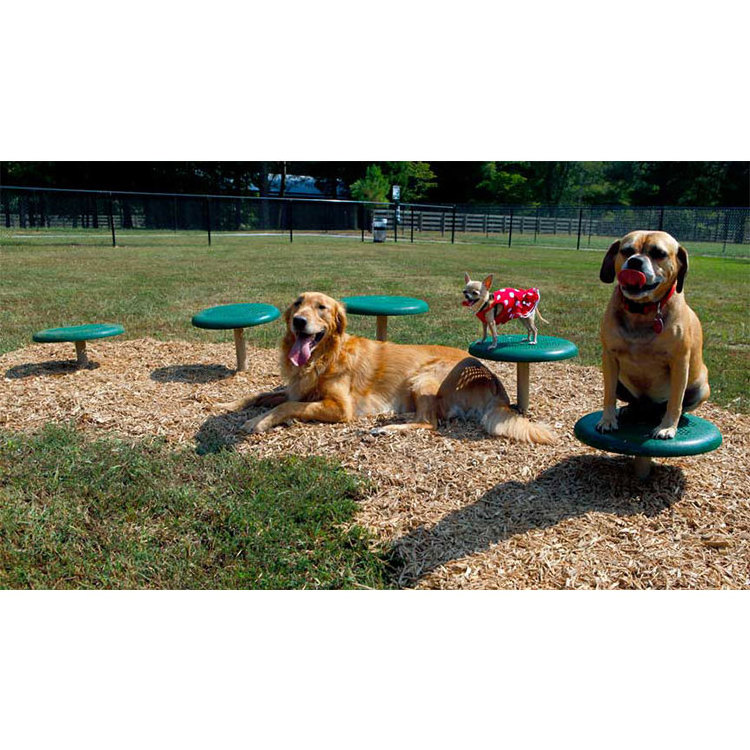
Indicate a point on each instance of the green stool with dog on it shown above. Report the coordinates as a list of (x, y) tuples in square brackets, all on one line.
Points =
[(499, 307), (652, 357)]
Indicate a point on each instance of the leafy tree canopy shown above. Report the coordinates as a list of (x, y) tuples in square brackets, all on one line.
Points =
[(374, 186), (625, 183)]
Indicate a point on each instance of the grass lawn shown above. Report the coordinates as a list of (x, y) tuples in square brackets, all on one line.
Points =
[(109, 514), (155, 285)]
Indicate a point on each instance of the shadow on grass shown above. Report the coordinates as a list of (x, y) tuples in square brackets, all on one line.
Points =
[(52, 367), (571, 488), (222, 431), (191, 373)]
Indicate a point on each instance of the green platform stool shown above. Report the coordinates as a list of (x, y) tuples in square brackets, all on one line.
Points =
[(78, 335), (516, 348), (694, 436), (236, 317), (381, 306)]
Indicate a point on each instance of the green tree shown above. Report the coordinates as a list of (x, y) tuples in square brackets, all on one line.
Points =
[(415, 178), (374, 186), (503, 182)]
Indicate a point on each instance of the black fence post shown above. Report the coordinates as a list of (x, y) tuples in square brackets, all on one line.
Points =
[(580, 222), (5, 206), (453, 226), (510, 230), (536, 225), (291, 221), (112, 220), (208, 219), (412, 223), (395, 222)]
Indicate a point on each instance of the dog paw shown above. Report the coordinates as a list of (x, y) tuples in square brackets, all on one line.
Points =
[(664, 433), (222, 405), (492, 346), (607, 424), (256, 425), (378, 431)]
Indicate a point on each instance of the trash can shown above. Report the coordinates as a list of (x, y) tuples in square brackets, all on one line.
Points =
[(379, 230)]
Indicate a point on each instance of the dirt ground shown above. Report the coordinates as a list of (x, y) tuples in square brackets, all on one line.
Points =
[(463, 511)]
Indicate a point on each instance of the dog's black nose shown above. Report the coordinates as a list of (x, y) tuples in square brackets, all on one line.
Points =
[(635, 262), (299, 322)]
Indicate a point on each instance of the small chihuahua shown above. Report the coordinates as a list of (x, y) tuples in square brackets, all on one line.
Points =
[(501, 306)]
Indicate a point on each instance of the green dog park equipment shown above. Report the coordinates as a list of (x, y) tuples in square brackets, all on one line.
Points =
[(382, 306), (78, 335), (236, 317), (516, 348), (632, 438)]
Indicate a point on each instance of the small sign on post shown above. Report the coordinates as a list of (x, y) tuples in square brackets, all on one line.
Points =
[(396, 194)]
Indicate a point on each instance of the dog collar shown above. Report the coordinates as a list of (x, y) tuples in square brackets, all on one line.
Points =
[(650, 308)]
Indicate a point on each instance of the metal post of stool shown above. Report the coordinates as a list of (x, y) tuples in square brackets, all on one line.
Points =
[(381, 328), (239, 346), (81, 355), (522, 386)]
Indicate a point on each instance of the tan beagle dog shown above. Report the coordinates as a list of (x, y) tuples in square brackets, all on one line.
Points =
[(652, 341)]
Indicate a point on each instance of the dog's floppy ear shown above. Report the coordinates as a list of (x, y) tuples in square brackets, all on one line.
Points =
[(289, 311), (607, 271), (487, 283), (682, 259), (340, 318), (467, 278)]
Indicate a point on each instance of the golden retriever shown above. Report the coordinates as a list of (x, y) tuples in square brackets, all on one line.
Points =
[(332, 376)]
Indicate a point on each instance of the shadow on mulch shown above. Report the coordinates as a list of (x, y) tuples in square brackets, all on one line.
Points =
[(571, 488), (52, 367), (191, 373), (222, 431)]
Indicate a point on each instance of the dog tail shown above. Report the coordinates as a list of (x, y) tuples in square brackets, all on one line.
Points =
[(539, 315), (501, 420)]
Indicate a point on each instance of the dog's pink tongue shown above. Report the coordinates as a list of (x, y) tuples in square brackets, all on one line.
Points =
[(301, 350), (466, 303), (629, 277)]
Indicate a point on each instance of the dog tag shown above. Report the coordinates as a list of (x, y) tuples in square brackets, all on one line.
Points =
[(658, 324)]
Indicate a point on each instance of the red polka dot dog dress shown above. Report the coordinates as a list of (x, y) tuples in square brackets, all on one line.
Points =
[(509, 304)]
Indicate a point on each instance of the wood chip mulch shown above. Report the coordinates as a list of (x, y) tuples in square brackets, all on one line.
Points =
[(461, 510)]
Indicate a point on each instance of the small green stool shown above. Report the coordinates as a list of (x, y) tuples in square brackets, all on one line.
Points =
[(382, 306), (694, 436), (79, 335), (237, 317), (515, 348)]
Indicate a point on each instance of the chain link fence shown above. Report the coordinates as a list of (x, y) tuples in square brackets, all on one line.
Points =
[(29, 214)]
